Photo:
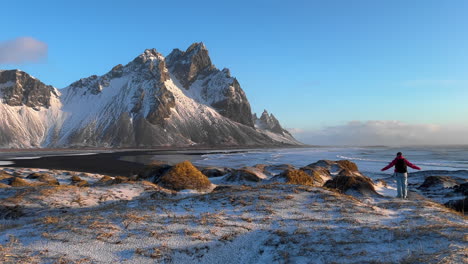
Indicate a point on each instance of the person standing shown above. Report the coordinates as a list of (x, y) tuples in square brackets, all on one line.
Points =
[(401, 173)]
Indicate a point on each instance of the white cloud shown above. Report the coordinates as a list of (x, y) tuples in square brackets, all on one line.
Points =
[(22, 50), (389, 133)]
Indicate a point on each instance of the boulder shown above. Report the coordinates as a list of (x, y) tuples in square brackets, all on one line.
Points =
[(184, 176)]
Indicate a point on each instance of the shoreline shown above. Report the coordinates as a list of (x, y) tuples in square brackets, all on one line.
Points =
[(113, 162)]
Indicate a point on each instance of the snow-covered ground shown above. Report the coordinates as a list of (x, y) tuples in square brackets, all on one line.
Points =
[(139, 222)]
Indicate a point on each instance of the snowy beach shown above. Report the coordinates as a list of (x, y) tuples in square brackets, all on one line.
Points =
[(248, 214)]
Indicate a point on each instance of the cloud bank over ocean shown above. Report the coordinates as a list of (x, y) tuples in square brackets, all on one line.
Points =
[(22, 50), (390, 133)]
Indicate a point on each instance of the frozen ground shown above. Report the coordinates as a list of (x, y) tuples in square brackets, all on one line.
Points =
[(139, 222)]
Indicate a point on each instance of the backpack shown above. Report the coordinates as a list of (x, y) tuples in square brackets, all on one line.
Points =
[(400, 166)]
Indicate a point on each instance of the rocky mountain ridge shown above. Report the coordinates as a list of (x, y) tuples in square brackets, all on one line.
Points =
[(178, 100)]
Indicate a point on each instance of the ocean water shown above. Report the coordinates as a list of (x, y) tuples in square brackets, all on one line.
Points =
[(369, 159)]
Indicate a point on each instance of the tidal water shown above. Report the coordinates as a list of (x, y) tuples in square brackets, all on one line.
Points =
[(368, 159)]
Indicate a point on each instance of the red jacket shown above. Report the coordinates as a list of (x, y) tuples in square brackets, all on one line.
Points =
[(409, 164)]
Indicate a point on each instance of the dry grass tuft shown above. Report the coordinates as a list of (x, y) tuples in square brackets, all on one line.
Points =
[(184, 176), (2, 185), (348, 165), (48, 220), (18, 182), (297, 177), (346, 181)]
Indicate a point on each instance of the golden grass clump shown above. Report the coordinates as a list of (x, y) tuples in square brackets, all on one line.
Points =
[(184, 176), (50, 220), (18, 182), (4, 175), (2, 185), (348, 165), (297, 177), (346, 180)]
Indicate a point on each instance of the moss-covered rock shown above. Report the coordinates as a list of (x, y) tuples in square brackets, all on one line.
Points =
[(184, 176)]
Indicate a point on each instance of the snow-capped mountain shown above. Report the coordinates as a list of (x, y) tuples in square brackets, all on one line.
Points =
[(180, 100)]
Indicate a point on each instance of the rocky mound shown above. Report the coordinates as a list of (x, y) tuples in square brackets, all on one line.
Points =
[(434, 182), (153, 171), (184, 176), (320, 174), (273, 170), (211, 172), (458, 205), (44, 177), (335, 167), (245, 175), (351, 182)]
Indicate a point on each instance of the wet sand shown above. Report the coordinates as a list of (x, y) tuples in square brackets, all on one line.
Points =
[(115, 163)]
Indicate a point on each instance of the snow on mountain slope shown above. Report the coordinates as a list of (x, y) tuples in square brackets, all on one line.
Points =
[(26, 120), (141, 104)]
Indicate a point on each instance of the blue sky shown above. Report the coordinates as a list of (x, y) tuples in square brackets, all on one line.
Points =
[(314, 64)]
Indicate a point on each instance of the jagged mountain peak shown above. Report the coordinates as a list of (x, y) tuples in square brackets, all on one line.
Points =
[(188, 65), (196, 47), (18, 88), (269, 122), (179, 100)]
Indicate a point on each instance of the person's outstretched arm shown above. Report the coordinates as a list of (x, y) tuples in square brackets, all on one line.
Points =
[(391, 164), (411, 165)]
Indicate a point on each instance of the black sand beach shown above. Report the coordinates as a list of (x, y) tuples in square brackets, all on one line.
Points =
[(115, 163)]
